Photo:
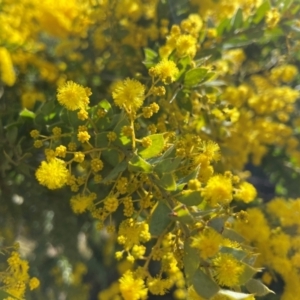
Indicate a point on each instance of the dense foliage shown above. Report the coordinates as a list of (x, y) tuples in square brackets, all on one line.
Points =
[(149, 149)]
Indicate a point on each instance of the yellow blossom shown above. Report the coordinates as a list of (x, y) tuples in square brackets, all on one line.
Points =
[(227, 270), (52, 174), (81, 203), (73, 96), (131, 288), (129, 94), (166, 70), (246, 192), (208, 242), (218, 190), (186, 45), (34, 283)]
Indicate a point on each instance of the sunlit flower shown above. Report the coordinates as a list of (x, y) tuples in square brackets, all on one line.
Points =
[(52, 174), (129, 93), (131, 288), (227, 269), (73, 96)]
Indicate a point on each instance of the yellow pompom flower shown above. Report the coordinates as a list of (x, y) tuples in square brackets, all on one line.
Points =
[(186, 46), (208, 242), (246, 192), (131, 288), (73, 96), (272, 18), (218, 190), (80, 203), (166, 70), (34, 283), (129, 94), (227, 270), (52, 174)]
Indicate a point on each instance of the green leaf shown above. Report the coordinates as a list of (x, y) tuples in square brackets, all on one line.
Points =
[(261, 11), (183, 181), (238, 254), (190, 198), (167, 182), (47, 107), (168, 165), (137, 164), (247, 274), (12, 134), (218, 223), (27, 113), (204, 285), (256, 287), (235, 295), (191, 260), (156, 147), (106, 106), (122, 140), (223, 26), (159, 220), (182, 214), (119, 168), (286, 5), (101, 140), (232, 235), (251, 259), (150, 56), (237, 20), (194, 76), (73, 118), (111, 156)]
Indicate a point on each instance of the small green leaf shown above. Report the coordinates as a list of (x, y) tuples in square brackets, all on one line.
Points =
[(150, 54), (119, 168), (101, 140), (137, 164), (155, 148), (27, 113), (223, 27), (73, 118), (191, 260), (150, 57), (218, 223), (247, 274), (12, 134), (261, 11), (122, 140), (232, 235), (111, 156), (237, 20), (256, 287), (238, 254), (159, 220), (190, 198), (251, 259), (182, 214), (183, 181), (194, 76), (168, 165), (204, 285), (235, 295), (105, 105), (47, 107), (167, 182)]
